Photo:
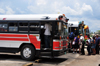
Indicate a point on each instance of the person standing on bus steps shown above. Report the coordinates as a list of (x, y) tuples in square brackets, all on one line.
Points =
[(47, 34)]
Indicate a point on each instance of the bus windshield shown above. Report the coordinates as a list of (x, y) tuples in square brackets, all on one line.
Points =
[(61, 29), (64, 30)]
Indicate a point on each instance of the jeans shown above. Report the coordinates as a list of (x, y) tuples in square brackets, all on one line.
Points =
[(47, 41), (89, 50), (97, 49), (82, 49)]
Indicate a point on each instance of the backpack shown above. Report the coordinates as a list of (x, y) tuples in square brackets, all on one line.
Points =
[(71, 35)]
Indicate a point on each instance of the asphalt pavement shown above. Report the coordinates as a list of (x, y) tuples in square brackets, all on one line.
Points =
[(16, 60)]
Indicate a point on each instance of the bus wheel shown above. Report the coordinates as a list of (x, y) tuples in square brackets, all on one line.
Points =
[(28, 52)]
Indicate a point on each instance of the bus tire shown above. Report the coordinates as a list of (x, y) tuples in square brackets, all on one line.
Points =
[(28, 52)]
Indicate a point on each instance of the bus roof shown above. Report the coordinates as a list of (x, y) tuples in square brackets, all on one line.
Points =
[(73, 23), (31, 17)]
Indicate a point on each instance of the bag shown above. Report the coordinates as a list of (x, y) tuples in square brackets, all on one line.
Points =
[(71, 35), (73, 43)]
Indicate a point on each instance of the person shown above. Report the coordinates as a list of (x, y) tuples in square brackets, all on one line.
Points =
[(80, 45), (71, 38), (76, 43), (88, 43), (97, 45), (83, 42), (93, 46), (73, 45), (47, 35)]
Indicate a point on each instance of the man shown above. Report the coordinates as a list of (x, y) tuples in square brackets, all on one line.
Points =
[(83, 42), (97, 45), (47, 35), (88, 42), (71, 38)]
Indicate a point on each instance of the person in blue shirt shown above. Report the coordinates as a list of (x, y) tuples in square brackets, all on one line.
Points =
[(97, 44)]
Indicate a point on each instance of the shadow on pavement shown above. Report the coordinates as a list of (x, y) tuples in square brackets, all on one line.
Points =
[(43, 60), (52, 61), (7, 56)]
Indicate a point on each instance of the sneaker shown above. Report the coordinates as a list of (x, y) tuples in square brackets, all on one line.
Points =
[(73, 52), (45, 48)]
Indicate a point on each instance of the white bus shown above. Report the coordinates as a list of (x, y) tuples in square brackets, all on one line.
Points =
[(25, 34)]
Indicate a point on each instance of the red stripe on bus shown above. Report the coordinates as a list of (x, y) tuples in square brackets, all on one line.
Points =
[(13, 35), (34, 41), (15, 39)]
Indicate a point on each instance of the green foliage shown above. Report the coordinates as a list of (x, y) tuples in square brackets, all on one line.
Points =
[(98, 31)]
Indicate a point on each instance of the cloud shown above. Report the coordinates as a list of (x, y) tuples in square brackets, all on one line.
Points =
[(9, 10), (78, 10), (44, 6), (2, 11), (6, 10), (41, 2), (20, 11)]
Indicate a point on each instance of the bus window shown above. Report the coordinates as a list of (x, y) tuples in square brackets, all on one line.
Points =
[(3, 27), (23, 27), (13, 27), (34, 28)]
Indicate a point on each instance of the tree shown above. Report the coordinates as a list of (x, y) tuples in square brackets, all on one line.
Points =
[(98, 31)]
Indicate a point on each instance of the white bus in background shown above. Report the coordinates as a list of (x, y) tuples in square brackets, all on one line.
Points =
[(78, 28), (73, 26)]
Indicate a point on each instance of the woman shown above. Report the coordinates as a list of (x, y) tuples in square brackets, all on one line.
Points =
[(93, 46)]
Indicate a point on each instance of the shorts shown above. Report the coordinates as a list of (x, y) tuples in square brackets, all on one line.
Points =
[(73, 46), (76, 46), (93, 46)]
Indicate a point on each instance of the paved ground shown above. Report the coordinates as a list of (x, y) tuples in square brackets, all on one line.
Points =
[(85, 60), (68, 59), (15, 60)]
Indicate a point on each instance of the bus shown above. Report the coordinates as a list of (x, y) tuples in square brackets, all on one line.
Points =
[(78, 28), (86, 32), (25, 34), (73, 26)]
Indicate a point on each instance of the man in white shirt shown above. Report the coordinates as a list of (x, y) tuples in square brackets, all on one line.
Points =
[(81, 37), (88, 42), (83, 42), (47, 33)]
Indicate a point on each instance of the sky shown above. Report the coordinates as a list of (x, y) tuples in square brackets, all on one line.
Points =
[(76, 10)]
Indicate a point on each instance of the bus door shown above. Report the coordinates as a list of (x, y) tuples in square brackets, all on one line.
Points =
[(42, 36)]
